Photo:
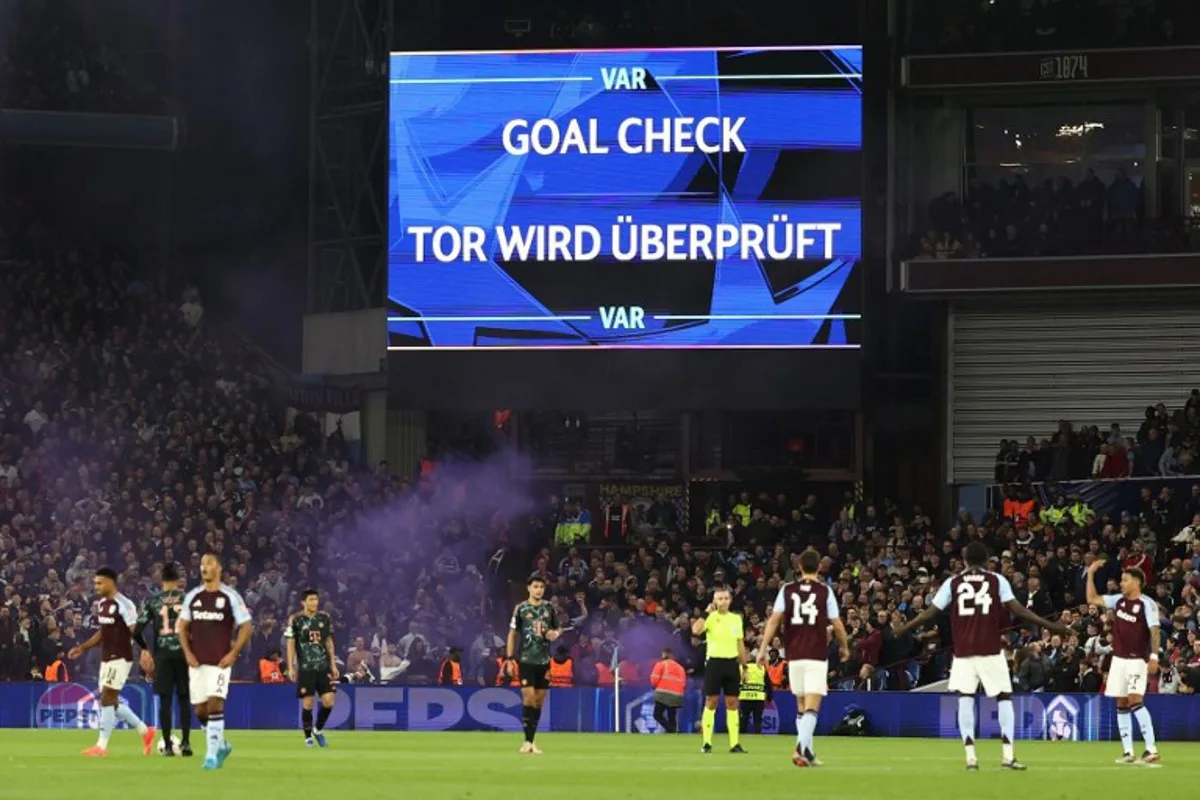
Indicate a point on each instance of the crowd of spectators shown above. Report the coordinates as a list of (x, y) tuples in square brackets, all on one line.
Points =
[(965, 26), (1012, 219), (62, 56), (1164, 446), (130, 437), (884, 566)]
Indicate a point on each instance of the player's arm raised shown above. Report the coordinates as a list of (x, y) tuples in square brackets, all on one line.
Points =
[(1094, 598)]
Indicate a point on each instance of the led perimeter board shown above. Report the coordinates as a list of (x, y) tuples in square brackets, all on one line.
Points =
[(681, 199)]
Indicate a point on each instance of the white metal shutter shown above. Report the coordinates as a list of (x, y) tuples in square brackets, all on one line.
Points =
[(1017, 372)]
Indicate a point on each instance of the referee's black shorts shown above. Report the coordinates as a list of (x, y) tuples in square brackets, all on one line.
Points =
[(170, 674), (722, 675)]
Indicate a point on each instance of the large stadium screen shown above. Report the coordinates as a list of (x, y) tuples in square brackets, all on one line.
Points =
[(679, 198)]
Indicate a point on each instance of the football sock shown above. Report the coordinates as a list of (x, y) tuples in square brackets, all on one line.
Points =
[(323, 717), (1142, 715), (528, 722), (126, 715), (1125, 726), (800, 732), (707, 721), (734, 724), (164, 716), (306, 722), (807, 727), (966, 724), (215, 730), (108, 721), (1007, 717)]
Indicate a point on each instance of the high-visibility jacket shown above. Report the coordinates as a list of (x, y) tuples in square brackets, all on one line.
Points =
[(604, 675), (57, 672), (268, 671), (501, 663), (1053, 515), (777, 673), (629, 671), (455, 673), (621, 526), (743, 513), (669, 677), (1080, 512), (562, 674), (754, 685), (1018, 511), (573, 529), (712, 520)]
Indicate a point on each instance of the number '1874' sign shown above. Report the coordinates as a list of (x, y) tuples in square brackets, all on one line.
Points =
[(1064, 68)]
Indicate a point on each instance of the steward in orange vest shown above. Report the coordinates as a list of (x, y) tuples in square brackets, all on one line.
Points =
[(562, 670), (777, 670), (604, 674), (268, 668), (57, 672), (450, 673), (670, 682), (507, 669)]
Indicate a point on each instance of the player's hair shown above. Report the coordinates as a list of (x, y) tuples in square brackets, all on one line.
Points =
[(307, 593), (666, 652), (721, 588), (1136, 574), (810, 561), (170, 572), (212, 555), (535, 578), (107, 572), (976, 554)]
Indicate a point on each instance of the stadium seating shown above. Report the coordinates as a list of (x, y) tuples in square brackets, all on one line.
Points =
[(129, 436)]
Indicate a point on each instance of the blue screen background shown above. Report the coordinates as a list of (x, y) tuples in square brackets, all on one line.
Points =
[(447, 166)]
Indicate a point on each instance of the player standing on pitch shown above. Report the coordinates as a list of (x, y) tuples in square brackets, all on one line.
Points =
[(725, 660), (207, 620), (309, 637), (534, 626), (1136, 635), (117, 616), (169, 667), (805, 610), (979, 602)]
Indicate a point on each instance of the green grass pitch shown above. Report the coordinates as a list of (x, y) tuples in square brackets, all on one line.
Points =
[(46, 765)]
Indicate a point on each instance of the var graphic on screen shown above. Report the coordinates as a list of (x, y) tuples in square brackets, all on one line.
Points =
[(625, 199)]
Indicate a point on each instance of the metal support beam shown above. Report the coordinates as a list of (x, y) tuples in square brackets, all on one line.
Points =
[(349, 42)]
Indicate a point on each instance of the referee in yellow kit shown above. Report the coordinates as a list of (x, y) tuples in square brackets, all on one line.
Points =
[(726, 659)]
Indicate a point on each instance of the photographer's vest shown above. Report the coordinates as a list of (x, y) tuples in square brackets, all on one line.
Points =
[(57, 672), (562, 675), (754, 687)]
